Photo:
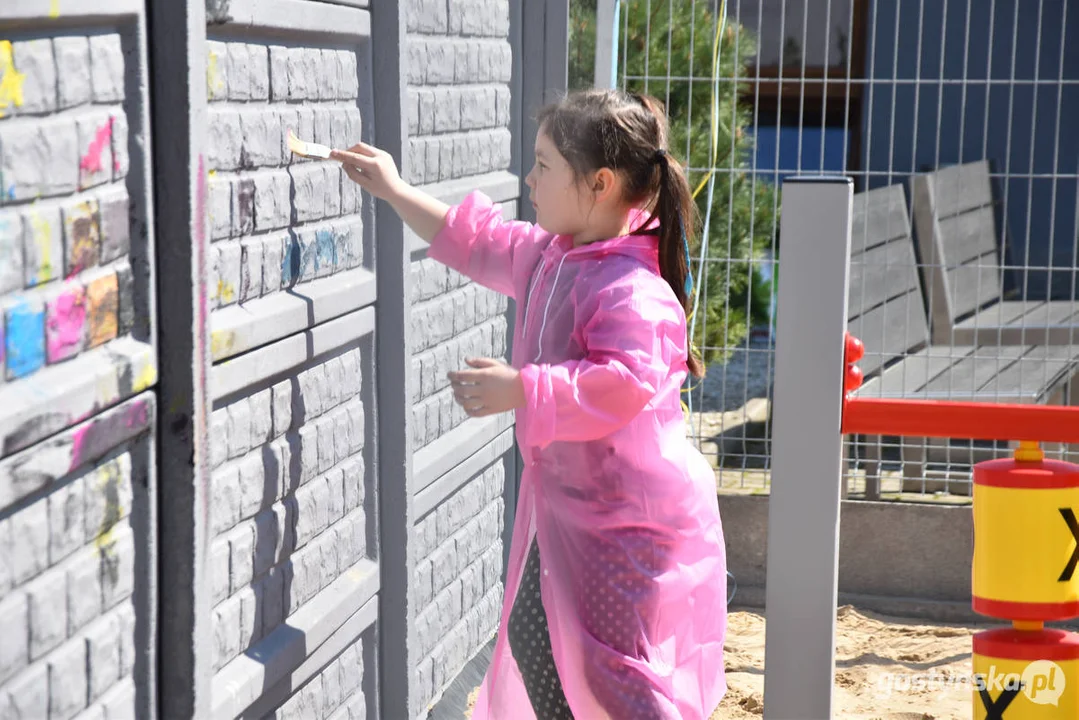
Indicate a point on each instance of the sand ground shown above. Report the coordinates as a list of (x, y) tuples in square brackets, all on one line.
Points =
[(886, 668)]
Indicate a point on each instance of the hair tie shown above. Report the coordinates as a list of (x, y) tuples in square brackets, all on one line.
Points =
[(660, 155)]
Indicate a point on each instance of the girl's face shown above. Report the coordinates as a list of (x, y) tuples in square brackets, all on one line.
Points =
[(561, 206)]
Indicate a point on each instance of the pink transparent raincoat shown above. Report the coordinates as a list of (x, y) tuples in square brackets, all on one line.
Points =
[(622, 506)]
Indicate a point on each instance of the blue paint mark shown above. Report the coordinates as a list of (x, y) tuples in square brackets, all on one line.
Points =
[(308, 260), (290, 263), (25, 339), (11, 193), (325, 249)]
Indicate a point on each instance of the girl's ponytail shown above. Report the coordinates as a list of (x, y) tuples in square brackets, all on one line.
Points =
[(677, 215), (626, 132)]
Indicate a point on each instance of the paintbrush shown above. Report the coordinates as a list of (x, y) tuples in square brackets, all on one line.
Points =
[(307, 149)]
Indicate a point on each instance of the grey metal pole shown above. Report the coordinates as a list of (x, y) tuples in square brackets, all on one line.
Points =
[(606, 73), (803, 510)]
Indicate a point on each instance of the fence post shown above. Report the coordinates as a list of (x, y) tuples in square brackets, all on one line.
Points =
[(178, 111), (607, 43), (544, 76), (393, 352), (803, 510)]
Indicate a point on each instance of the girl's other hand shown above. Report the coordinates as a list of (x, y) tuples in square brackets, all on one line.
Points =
[(490, 388), (370, 168)]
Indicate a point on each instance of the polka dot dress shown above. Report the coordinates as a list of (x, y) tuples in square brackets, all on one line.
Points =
[(615, 608), (530, 643)]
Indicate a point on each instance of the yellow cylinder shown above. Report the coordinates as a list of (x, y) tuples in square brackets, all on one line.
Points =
[(1025, 540), (1025, 675)]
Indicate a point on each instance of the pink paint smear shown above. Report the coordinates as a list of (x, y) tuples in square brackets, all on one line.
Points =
[(67, 317), (91, 161)]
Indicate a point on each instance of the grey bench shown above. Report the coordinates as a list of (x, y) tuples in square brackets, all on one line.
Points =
[(953, 211), (886, 311)]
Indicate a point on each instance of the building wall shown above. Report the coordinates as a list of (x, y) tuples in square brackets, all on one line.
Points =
[(1015, 109)]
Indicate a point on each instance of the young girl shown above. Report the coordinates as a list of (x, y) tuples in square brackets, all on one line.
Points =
[(615, 597)]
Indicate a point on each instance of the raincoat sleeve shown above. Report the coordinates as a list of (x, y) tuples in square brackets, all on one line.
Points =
[(477, 242), (634, 334)]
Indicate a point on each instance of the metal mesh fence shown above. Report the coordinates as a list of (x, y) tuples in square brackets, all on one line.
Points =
[(956, 120)]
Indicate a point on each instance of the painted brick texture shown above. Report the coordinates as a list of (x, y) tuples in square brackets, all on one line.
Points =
[(66, 209), (67, 578), (290, 499), (457, 585), (277, 220), (72, 452), (73, 322)]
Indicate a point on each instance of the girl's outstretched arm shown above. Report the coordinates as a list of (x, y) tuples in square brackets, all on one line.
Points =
[(374, 171), (472, 237)]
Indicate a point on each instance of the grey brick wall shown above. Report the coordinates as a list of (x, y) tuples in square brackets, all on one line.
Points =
[(292, 496), (71, 223), (452, 319), (289, 499), (458, 581), (333, 694), (459, 63), (276, 220), (76, 355), (68, 585), (279, 525)]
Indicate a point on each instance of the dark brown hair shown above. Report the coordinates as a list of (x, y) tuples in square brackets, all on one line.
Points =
[(627, 133)]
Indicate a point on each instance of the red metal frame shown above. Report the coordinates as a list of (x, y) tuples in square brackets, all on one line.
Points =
[(947, 419), (977, 421)]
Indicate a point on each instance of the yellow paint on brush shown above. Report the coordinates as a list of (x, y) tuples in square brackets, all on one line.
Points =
[(54, 8), (11, 80)]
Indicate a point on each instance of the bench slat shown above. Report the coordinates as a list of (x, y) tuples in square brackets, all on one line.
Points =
[(1035, 375), (972, 372), (969, 237), (911, 375), (1017, 322), (960, 188), (880, 215), (974, 286), (890, 330), (881, 274)]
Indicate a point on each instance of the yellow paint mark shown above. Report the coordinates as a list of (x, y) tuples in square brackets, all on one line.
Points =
[(225, 292), (107, 483), (54, 8), (146, 377), (221, 343), (215, 84), (11, 80), (42, 233)]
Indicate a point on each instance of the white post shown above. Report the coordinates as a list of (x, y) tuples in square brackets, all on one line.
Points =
[(606, 43), (803, 510)]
